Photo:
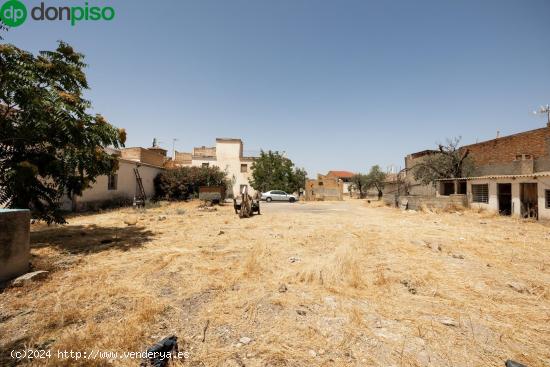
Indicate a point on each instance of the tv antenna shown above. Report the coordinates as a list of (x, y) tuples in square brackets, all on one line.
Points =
[(174, 140), (544, 110)]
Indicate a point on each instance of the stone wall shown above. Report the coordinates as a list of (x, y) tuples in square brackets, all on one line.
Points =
[(14, 243), (416, 202)]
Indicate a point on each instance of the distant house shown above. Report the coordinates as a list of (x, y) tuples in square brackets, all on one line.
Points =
[(228, 156), (344, 176), (324, 188)]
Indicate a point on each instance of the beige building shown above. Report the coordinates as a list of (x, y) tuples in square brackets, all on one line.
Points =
[(122, 186), (228, 156), (324, 188), (345, 177)]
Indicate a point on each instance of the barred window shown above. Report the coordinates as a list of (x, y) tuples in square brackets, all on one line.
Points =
[(480, 193), (547, 196)]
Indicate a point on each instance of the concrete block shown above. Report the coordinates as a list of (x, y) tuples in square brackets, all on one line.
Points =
[(14, 243)]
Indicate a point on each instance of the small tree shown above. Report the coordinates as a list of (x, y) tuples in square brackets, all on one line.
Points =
[(359, 183), (273, 171), (376, 179), (449, 161), (49, 144)]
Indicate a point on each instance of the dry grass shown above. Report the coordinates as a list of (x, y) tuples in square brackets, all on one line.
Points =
[(365, 285)]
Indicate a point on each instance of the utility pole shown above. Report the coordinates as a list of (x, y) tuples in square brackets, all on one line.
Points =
[(544, 110), (174, 148)]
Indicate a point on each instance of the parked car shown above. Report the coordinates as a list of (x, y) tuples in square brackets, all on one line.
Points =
[(277, 195)]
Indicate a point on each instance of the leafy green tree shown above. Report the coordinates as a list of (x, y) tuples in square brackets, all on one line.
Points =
[(183, 183), (449, 161), (49, 144), (273, 171), (359, 183), (376, 179)]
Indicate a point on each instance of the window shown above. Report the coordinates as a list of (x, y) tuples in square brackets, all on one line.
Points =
[(112, 182), (205, 165), (547, 197), (244, 167), (480, 193)]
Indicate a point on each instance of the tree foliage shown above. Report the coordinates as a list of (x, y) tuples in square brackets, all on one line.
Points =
[(273, 171), (449, 161), (183, 183), (376, 179), (359, 183), (49, 143)]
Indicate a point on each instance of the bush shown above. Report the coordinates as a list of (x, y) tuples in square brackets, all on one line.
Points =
[(184, 182)]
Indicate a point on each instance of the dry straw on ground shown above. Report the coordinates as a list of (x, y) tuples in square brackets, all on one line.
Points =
[(324, 284)]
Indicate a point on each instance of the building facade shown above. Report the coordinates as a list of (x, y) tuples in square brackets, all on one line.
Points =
[(324, 188), (121, 186), (228, 156), (512, 175), (345, 177)]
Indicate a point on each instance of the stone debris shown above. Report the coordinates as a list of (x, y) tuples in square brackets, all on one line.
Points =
[(510, 363), (245, 340), (409, 286), (132, 221), (518, 287), (283, 288), (457, 256), (301, 312), (448, 321), (293, 259), (161, 218), (29, 278), (312, 353)]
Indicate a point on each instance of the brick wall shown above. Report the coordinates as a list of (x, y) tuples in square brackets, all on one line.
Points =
[(504, 150)]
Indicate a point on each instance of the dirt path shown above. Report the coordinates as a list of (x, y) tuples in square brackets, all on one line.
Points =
[(342, 284)]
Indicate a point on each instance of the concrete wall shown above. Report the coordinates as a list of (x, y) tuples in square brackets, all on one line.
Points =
[(14, 243), (126, 186), (543, 183)]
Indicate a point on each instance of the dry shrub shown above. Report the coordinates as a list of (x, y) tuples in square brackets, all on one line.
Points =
[(337, 272), (253, 262), (380, 278)]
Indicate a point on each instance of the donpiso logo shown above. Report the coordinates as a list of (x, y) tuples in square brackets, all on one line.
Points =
[(14, 13)]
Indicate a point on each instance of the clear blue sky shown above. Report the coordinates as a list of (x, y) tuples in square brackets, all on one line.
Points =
[(335, 84)]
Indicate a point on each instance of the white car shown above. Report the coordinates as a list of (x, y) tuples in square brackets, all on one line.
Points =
[(277, 195)]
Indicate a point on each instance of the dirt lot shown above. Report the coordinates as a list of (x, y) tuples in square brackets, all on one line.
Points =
[(327, 284)]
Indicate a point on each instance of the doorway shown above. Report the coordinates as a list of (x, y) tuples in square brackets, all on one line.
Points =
[(529, 200), (505, 199)]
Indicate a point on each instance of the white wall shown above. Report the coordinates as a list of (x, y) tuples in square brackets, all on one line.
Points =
[(228, 159), (126, 184), (543, 183)]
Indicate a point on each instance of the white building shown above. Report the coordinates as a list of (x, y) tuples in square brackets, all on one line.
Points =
[(228, 156), (525, 196), (121, 187)]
